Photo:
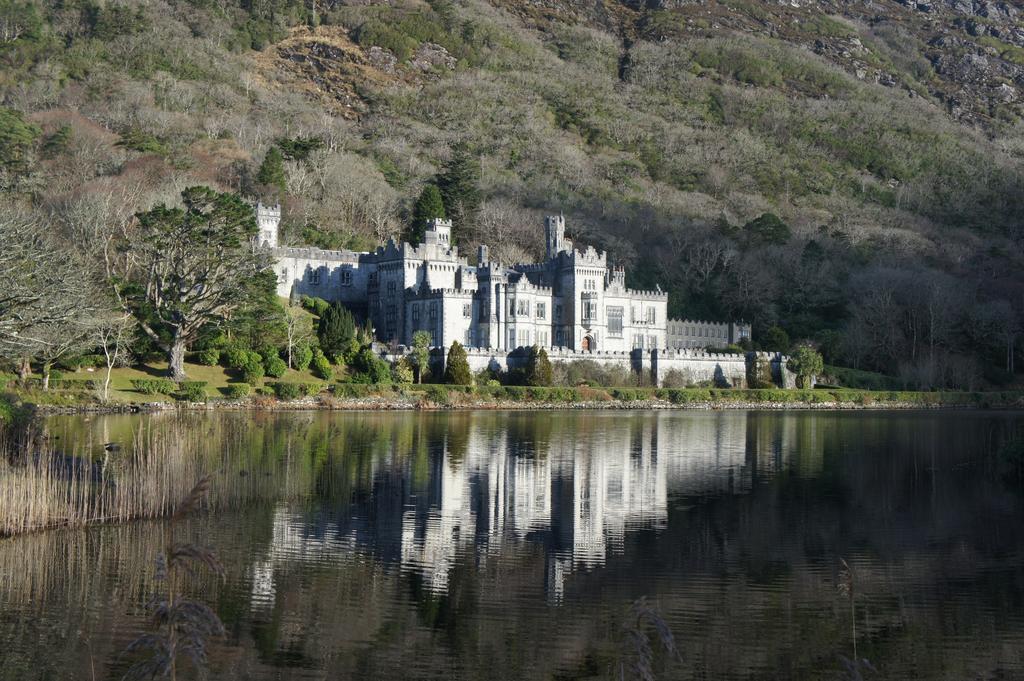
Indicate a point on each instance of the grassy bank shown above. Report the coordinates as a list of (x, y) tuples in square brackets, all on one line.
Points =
[(213, 385)]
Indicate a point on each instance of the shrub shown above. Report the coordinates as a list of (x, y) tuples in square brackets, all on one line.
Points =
[(313, 389), (234, 357), (353, 390), (806, 363), (302, 356), (192, 391), (689, 396), (287, 391), (209, 357), (76, 384), (438, 394), (238, 390), (154, 386), (315, 305), (321, 367), (402, 371), (252, 367), (275, 367), (369, 368)]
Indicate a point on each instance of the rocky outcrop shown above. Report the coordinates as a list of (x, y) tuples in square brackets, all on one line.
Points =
[(432, 57)]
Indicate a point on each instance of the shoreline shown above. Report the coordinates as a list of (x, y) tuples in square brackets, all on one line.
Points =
[(407, 404)]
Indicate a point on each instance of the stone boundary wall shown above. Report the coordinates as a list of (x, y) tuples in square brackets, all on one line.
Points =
[(724, 370)]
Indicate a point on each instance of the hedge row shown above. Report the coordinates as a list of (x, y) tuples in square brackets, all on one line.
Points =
[(284, 390)]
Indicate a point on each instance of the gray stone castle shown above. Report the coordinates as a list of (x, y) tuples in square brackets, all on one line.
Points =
[(572, 300)]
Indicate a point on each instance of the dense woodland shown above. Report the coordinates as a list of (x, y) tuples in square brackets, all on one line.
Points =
[(748, 175)]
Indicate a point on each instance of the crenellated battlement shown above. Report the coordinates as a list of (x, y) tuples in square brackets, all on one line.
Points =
[(317, 254)]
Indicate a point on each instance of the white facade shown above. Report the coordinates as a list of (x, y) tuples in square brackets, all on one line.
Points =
[(572, 300)]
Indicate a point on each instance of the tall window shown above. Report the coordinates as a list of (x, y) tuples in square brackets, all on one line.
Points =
[(650, 315), (589, 310), (469, 338), (614, 321), (346, 277), (415, 315), (524, 338), (542, 310), (524, 308), (467, 310), (559, 337), (284, 276), (392, 287), (511, 338), (558, 313), (433, 311), (314, 277)]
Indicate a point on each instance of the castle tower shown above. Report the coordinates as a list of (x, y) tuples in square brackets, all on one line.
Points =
[(439, 232), (267, 220), (554, 235)]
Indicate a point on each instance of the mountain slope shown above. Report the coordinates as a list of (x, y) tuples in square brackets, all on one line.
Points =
[(887, 138)]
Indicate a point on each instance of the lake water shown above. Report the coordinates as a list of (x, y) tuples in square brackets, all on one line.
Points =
[(489, 545)]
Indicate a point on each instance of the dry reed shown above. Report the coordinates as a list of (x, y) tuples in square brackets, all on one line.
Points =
[(45, 489)]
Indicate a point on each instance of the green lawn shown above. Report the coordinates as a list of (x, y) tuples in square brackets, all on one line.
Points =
[(215, 377)]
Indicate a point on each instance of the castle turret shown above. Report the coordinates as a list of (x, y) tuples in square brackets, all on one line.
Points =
[(267, 220), (554, 233), (439, 232), (616, 276)]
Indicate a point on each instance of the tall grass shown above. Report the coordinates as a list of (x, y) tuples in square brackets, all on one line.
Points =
[(41, 488)]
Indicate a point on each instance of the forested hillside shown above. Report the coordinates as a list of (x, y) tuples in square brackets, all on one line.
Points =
[(848, 171)]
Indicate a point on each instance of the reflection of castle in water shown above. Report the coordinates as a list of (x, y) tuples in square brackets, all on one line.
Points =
[(578, 491)]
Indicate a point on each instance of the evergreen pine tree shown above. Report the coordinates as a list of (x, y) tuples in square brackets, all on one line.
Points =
[(336, 330), (538, 367), (459, 185), (271, 172), (456, 370), (428, 206)]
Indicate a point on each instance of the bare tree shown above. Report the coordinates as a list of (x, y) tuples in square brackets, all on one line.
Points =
[(299, 326), (114, 335), (47, 293)]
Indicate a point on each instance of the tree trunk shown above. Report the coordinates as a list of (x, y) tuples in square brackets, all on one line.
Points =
[(46, 376), (176, 360), (24, 369)]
